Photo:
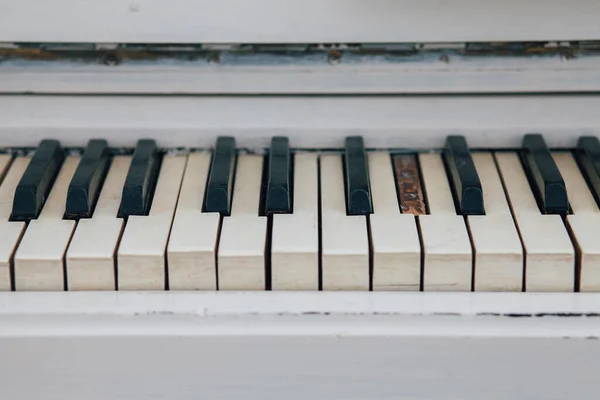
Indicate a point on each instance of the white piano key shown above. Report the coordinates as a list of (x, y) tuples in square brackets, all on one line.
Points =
[(10, 232), (91, 254), (142, 252), (241, 253), (39, 264), (394, 236), (447, 249), (498, 249), (549, 253), (584, 221), (345, 242), (194, 235), (295, 237)]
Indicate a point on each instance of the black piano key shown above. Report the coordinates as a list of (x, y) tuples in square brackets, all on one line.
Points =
[(278, 196), (36, 182), (588, 157), (86, 182), (141, 179), (464, 179), (219, 187), (358, 191), (548, 185)]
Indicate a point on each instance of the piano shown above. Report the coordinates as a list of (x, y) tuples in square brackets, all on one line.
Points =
[(333, 199)]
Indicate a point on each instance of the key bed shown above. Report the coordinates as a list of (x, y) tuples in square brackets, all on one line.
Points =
[(291, 219)]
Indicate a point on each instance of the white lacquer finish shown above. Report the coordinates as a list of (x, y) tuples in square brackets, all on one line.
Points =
[(295, 237), (39, 260), (549, 253), (10, 232), (91, 255), (141, 253), (395, 240), (584, 222), (194, 235), (447, 260), (345, 242), (498, 249), (241, 253)]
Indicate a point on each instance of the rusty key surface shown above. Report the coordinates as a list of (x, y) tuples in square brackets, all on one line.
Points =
[(408, 184)]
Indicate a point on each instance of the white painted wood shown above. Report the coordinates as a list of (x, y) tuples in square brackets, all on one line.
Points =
[(193, 241), (498, 251), (241, 253), (395, 240), (344, 238), (141, 254), (308, 21), (10, 232), (583, 223), (91, 255), (295, 237), (549, 253), (39, 259), (315, 122), (422, 73), (447, 260)]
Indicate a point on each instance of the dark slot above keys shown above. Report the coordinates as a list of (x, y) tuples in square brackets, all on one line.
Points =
[(36, 182), (464, 179), (588, 157), (358, 191), (88, 178), (220, 179), (141, 179), (548, 185), (278, 196)]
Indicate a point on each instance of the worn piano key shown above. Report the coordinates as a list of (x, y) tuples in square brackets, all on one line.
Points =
[(39, 260), (36, 182), (85, 185), (498, 251), (358, 192), (583, 222), (447, 254), (10, 231), (408, 183), (396, 250), (194, 235), (142, 251), (241, 253), (295, 237), (91, 255), (549, 253), (278, 196), (548, 184), (465, 181), (588, 156), (141, 179), (345, 242), (220, 179)]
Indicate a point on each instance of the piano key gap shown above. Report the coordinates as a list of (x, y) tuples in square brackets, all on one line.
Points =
[(320, 225)]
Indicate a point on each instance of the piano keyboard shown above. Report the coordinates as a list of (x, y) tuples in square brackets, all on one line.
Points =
[(455, 219)]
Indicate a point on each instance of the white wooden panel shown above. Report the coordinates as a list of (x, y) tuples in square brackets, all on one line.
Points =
[(447, 261), (194, 235), (295, 237), (91, 255), (498, 248), (10, 232), (312, 21), (141, 254), (39, 260), (402, 121), (549, 253), (345, 242), (241, 253), (396, 247)]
